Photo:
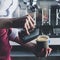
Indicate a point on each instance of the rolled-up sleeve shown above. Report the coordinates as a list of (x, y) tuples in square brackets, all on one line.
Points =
[(14, 33)]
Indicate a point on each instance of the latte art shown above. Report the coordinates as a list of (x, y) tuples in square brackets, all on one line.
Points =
[(42, 38)]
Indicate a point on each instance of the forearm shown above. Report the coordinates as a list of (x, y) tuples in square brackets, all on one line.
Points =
[(11, 22), (28, 45)]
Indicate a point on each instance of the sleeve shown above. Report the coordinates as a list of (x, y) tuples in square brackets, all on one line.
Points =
[(14, 33)]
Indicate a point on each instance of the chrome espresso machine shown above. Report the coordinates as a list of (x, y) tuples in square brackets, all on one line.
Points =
[(47, 17), (46, 14)]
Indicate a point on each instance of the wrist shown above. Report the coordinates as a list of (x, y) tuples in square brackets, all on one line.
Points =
[(18, 23)]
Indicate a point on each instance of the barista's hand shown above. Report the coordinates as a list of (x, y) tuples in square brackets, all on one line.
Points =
[(29, 24), (45, 52), (42, 53), (33, 47)]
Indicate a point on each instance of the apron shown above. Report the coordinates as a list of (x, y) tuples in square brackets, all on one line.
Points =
[(7, 7)]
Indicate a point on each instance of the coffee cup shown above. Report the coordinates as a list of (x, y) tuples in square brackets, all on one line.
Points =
[(42, 42)]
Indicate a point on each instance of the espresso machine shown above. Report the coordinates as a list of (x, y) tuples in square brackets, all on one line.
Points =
[(55, 18), (47, 21), (51, 25)]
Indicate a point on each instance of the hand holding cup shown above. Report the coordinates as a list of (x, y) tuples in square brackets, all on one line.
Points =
[(42, 46)]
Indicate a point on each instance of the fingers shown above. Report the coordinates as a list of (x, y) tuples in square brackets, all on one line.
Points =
[(31, 21), (48, 51), (29, 24), (26, 28), (45, 51)]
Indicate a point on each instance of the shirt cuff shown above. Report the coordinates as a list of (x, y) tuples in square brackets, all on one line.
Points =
[(14, 33)]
